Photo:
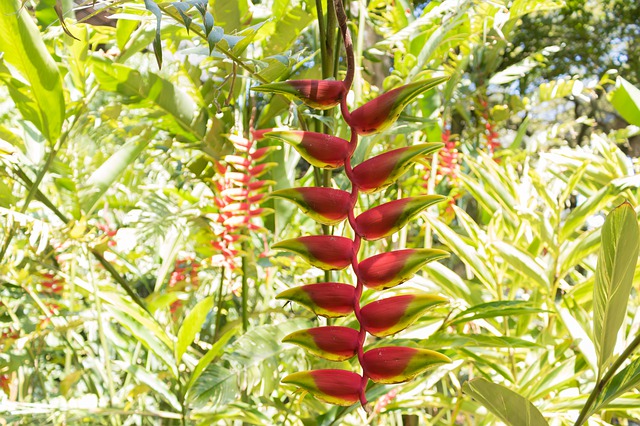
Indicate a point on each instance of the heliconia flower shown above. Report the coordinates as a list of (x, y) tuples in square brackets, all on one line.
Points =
[(397, 364), (329, 300), (380, 113), (389, 316), (392, 268), (339, 387), (320, 150), (388, 218), (260, 169), (326, 252), (319, 94), (324, 205), (382, 170), (333, 343)]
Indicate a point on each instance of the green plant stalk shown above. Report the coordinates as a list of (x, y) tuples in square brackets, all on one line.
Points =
[(218, 321), (245, 292), (586, 412)]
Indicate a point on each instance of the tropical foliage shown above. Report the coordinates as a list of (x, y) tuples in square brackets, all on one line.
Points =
[(296, 212)]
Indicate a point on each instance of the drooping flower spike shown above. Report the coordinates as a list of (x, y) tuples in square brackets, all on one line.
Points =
[(329, 206)]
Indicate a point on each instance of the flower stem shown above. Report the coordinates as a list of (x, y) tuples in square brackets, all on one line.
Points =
[(586, 412)]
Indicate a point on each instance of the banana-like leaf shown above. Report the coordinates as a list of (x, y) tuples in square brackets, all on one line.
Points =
[(507, 405), (614, 276), (42, 99), (192, 325), (626, 100)]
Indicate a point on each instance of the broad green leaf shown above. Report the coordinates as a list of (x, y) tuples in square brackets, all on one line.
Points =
[(192, 325), (495, 309), (475, 340), (579, 215), (150, 87), (510, 407), (613, 279), (22, 46), (109, 171), (626, 100)]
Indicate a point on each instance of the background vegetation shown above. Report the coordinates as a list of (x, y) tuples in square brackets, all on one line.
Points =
[(136, 288)]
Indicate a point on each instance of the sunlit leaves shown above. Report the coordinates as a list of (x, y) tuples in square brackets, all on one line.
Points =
[(614, 276)]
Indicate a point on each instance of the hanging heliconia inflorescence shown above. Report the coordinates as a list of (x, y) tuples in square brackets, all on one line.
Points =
[(382, 364)]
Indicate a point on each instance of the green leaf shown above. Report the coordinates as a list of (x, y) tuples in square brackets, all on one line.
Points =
[(22, 46), (495, 309), (150, 87), (523, 263), (213, 353), (154, 383), (157, 42), (192, 325), (626, 380), (626, 100), (109, 171), (613, 279), (465, 252), (511, 408)]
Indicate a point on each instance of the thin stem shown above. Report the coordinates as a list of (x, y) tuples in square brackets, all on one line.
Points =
[(218, 321), (101, 334), (585, 413), (348, 43)]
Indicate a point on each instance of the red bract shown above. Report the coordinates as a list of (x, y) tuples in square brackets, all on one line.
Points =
[(319, 94), (330, 206), (389, 316), (397, 364), (389, 269), (333, 343), (379, 114), (388, 218), (320, 150), (330, 300), (382, 170), (338, 387), (324, 205), (323, 251)]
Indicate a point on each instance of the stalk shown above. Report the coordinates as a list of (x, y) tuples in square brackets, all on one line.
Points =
[(585, 413)]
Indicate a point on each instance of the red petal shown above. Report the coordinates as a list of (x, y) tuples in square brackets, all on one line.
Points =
[(320, 150), (396, 364), (390, 269), (319, 94), (324, 205), (338, 387), (333, 343), (380, 113), (382, 170), (384, 220), (389, 316), (323, 251), (326, 299)]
